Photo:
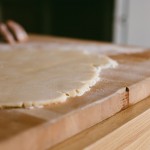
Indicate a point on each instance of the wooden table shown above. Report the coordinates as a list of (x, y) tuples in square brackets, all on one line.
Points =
[(114, 132), (129, 129)]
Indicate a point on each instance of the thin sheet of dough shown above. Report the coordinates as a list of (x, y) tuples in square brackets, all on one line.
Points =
[(40, 77)]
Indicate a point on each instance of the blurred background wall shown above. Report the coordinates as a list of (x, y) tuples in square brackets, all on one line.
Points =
[(86, 19), (118, 21), (132, 22)]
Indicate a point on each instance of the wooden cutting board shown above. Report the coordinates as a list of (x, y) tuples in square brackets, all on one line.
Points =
[(119, 88)]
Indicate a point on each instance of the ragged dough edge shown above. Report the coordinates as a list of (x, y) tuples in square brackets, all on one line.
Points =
[(77, 92), (85, 88)]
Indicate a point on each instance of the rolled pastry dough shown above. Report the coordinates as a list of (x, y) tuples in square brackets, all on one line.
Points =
[(39, 77)]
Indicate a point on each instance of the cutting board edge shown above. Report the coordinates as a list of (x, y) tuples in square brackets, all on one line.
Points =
[(63, 126), (139, 91)]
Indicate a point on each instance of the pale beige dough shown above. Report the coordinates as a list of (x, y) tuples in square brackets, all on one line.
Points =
[(39, 77)]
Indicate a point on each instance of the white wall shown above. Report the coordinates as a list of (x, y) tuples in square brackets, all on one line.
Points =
[(120, 21), (136, 26)]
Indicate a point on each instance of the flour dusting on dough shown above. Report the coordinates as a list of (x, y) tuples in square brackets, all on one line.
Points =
[(36, 78)]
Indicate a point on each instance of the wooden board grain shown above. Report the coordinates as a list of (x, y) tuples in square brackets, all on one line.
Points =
[(89, 137), (133, 135), (41, 128)]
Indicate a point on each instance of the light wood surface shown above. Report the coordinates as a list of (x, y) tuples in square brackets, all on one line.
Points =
[(91, 138), (133, 135), (41, 128)]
